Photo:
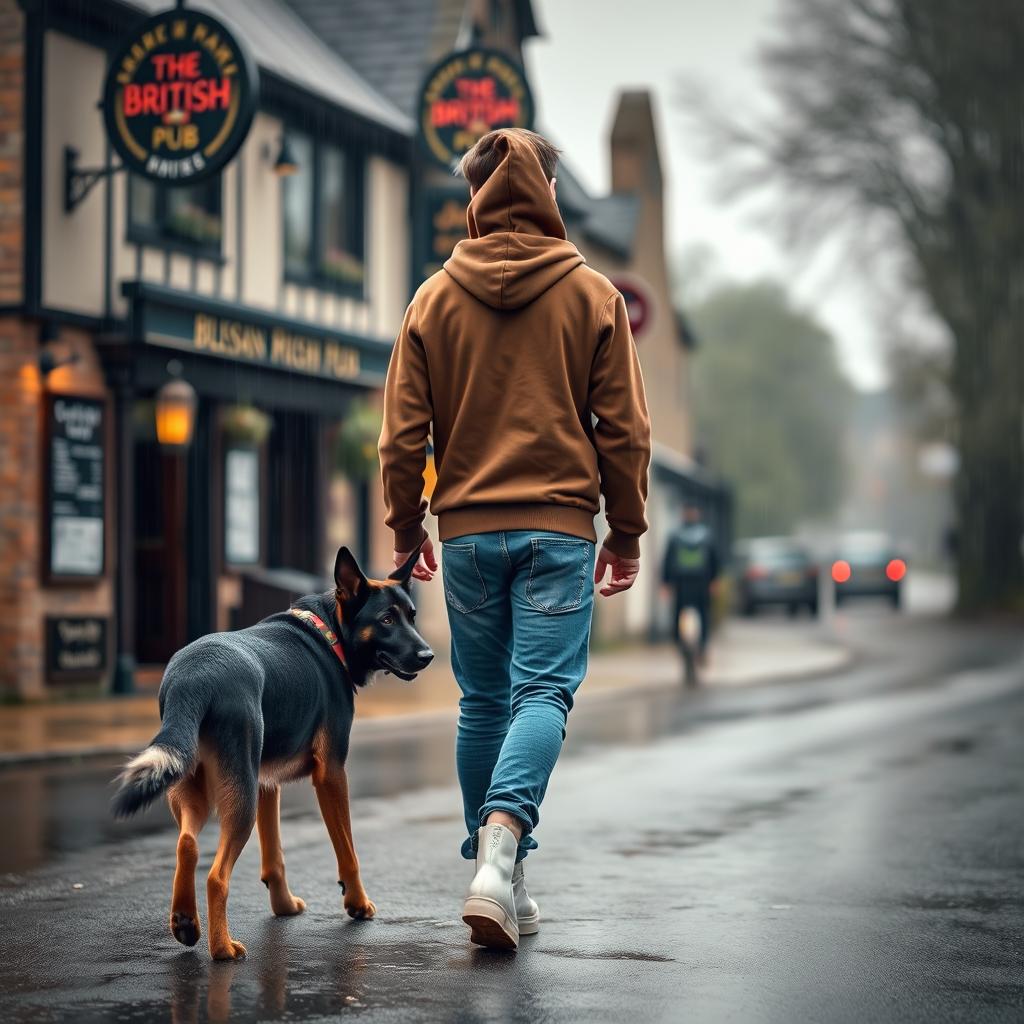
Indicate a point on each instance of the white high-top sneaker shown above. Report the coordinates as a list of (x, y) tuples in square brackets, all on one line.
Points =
[(527, 911), (490, 909)]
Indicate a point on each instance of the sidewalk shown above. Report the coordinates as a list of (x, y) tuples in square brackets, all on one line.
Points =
[(744, 653)]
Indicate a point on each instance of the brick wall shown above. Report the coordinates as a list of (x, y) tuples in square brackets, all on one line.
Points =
[(20, 641), (12, 63), (25, 600), (19, 385)]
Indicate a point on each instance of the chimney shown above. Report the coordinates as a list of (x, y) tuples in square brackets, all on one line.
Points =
[(636, 165)]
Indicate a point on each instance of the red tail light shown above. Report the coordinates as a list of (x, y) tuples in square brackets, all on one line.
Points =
[(896, 570), (756, 572), (841, 571)]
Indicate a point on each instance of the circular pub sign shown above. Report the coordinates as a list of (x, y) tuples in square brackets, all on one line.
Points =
[(639, 305), (468, 94), (179, 97)]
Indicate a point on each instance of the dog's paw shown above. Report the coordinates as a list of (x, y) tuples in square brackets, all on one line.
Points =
[(229, 950), (360, 906), (185, 928), (289, 907), (282, 902)]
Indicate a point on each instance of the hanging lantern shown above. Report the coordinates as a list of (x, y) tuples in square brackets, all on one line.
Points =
[(175, 414), (285, 165)]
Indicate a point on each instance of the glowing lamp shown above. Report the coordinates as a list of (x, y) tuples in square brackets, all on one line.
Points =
[(175, 414)]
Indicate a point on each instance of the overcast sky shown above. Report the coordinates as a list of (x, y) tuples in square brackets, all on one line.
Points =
[(593, 48)]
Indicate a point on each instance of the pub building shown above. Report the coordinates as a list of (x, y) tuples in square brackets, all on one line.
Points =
[(189, 372), (210, 226)]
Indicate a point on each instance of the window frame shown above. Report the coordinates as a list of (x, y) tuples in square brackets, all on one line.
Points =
[(159, 237), (356, 167)]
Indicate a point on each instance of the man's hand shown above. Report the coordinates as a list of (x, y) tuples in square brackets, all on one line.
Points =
[(624, 572), (426, 564)]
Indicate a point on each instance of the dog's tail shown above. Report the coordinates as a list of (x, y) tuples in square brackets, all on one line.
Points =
[(169, 757)]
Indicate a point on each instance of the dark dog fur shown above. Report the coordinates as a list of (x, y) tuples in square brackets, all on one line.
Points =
[(244, 711)]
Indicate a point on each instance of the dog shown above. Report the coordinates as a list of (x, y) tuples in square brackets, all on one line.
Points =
[(241, 712)]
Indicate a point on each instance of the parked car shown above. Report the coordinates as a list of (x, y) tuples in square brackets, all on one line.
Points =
[(775, 570), (868, 565)]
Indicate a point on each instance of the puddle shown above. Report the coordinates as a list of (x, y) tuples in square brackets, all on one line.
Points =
[(614, 954)]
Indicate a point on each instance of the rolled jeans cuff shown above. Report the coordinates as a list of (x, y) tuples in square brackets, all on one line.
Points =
[(526, 844)]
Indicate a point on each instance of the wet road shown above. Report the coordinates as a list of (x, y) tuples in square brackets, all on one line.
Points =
[(845, 849)]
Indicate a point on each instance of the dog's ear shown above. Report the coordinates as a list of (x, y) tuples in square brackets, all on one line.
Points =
[(349, 581), (403, 574)]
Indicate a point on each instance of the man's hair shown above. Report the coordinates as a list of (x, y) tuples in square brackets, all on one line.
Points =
[(483, 159)]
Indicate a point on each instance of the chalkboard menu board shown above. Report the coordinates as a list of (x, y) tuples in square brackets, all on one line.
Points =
[(76, 647), (75, 433)]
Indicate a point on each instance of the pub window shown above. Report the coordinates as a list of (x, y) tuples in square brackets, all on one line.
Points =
[(242, 506), (299, 209), (323, 216), (187, 215)]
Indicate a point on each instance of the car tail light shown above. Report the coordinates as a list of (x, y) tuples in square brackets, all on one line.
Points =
[(841, 571), (896, 570), (756, 572)]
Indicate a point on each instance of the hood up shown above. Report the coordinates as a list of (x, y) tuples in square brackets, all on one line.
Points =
[(517, 247)]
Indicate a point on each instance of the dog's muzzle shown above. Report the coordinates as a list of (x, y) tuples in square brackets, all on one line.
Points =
[(407, 672)]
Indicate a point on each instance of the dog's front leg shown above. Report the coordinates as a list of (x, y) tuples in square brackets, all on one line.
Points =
[(331, 784)]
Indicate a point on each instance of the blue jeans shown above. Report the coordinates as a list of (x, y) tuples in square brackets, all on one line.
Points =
[(519, 605)]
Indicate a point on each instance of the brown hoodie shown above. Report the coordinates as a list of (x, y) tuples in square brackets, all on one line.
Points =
[(507, 356)]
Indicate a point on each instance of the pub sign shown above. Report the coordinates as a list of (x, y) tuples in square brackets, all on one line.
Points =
[(468, 94), (209, 327), (442, 227), (179, 98)]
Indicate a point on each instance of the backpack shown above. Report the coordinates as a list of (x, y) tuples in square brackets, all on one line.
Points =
[(691, 554)]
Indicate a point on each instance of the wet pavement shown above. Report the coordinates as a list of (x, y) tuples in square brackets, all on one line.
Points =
[(746, 652), (839, 849)]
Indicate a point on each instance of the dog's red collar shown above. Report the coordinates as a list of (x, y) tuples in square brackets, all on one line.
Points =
[(324, 630)]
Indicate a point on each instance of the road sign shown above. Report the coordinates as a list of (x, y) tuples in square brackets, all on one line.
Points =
[(639, 304)]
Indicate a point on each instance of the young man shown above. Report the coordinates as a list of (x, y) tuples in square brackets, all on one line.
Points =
[(518, 358)]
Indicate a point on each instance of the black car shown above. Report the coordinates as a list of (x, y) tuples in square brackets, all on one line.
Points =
[(775, 570), (868, 565)]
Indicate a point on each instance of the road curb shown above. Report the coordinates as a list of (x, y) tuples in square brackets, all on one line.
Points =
[(373, 727)]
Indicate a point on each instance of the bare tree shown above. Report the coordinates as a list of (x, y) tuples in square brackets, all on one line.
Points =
[(909, 116)]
